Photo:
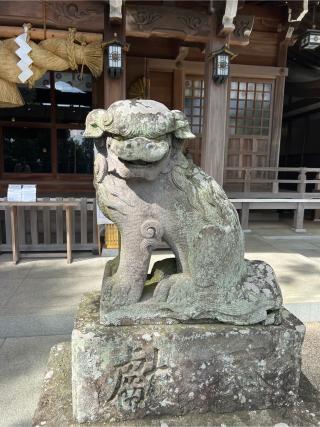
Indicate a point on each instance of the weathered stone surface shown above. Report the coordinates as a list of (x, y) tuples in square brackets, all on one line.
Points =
[(234, 306), (154, 194), (129, 372), (55, 407)]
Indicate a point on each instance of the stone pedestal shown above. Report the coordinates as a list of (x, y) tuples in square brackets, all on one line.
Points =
[(131, 372)]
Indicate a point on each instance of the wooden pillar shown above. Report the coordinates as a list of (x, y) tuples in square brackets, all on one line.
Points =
[(215, 114), (278, 96), (299, 218), (178, 89), (15, 234), (69, 232), (245, 211), (114, 89)]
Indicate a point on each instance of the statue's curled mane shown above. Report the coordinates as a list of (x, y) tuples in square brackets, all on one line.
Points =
[(199, 188)]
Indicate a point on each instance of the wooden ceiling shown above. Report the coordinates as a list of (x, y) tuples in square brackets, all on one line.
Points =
[(84, 15), (270, 19), (88, 15)]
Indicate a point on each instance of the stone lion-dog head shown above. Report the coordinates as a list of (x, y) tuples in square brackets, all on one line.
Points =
[(140, 138)]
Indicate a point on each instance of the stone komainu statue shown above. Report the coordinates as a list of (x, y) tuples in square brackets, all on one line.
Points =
[(154, 194)]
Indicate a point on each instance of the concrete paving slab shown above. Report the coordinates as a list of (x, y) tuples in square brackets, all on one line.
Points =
[(254, 243), (284, 227), (47, 292), (298, 276), (11, 271), (305, 311), (317, 244), (8, 287), (28, 325), (313, 254), (80, 267), (23, 362), (289, 245)]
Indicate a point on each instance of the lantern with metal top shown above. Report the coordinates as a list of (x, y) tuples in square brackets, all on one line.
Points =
[(221, 64), (310, 39), (115, 59)]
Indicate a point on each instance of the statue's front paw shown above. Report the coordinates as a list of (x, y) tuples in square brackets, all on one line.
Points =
[(114, 291), (121, 289)]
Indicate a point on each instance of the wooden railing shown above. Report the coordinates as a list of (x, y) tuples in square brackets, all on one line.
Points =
[(44, 228), (268, 179), (265, 188)]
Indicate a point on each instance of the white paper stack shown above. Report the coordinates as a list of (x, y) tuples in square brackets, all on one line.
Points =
[(29, 193), (14, 193)]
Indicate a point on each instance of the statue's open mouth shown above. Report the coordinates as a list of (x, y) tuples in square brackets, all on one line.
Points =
[(139, 151), (135, 163), (129, 163)]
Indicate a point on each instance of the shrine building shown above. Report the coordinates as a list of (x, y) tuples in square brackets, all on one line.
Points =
[(245, 73)]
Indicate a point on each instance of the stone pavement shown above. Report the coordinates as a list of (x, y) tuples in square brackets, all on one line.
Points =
[(38, 298)]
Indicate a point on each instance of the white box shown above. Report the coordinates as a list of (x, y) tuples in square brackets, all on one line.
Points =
[(14, 193), (29, 193)]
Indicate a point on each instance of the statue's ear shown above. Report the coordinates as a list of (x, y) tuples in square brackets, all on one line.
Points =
[(182, 127), (97, 122)]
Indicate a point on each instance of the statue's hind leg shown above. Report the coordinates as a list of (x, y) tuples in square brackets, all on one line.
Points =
[(174, 289)]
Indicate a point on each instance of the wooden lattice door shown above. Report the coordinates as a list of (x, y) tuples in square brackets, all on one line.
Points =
[(247, 152), (249, 142), (193, 109)]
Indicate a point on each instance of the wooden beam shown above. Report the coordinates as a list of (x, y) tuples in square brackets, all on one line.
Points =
[(297, 10), (178, 89), (7, 32), (304, 89), (256, 71), (183, 53), (302, 110), (285, 42), (114, 89), (168, 22), (190, 67), (115, 14), (190, 25), (243, 29), (228, 17), (215, 113), (84, 15)]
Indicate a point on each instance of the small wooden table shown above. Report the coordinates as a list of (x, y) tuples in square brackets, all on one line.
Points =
[(67, 206)]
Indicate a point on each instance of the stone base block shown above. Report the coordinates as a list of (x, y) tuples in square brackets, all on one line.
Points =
[(55, 405), (131, 372)]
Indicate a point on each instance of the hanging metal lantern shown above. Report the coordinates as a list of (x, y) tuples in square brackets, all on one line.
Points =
[(221, 64), (115, 59), (310, 39)]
